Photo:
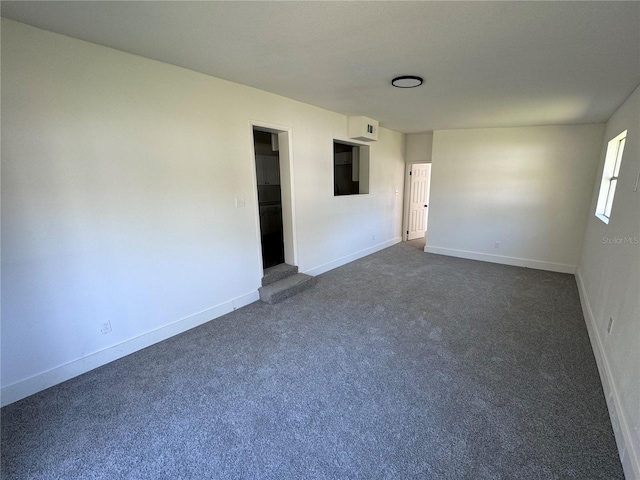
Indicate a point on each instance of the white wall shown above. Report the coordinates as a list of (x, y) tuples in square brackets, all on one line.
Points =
[(119, 176), (609, 282), (527, 188), (419, 147)]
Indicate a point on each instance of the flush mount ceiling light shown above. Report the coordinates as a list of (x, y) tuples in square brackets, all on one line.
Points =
[(407, 81)]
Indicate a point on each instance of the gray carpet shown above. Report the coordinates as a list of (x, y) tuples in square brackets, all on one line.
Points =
[(399, 365)]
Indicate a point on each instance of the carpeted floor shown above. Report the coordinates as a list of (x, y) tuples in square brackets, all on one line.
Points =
[(399, 365), (418, 243)]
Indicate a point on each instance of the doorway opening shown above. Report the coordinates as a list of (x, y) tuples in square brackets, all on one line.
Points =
[(274, 194), (416, 203), (267, 159)]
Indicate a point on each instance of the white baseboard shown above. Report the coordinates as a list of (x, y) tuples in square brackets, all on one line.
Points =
[(516, 262), (350, 258), (24, 388), (628, 450)]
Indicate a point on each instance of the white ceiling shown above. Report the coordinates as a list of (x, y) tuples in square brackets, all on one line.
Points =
[(485, 64)]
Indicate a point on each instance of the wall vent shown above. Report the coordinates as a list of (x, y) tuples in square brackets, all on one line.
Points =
[(363, 129)]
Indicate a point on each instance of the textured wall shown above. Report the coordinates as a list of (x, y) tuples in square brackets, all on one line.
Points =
[(609, 277), (527, 188), (119, 179)]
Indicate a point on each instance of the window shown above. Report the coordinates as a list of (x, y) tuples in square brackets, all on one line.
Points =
[(612, 161), (350, 169)]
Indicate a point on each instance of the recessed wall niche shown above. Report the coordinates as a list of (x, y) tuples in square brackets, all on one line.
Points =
[(350, 168)]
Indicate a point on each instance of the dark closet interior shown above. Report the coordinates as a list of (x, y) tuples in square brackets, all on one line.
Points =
[(269, 197)]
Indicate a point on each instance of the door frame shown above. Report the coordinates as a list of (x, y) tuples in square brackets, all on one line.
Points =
[(407, 197), (285, 155)]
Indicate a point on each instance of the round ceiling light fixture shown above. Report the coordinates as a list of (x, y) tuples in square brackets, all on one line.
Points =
[(407, 81)]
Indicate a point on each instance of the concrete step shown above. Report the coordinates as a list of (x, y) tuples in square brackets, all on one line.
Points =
[(285, 288), (273, 274)]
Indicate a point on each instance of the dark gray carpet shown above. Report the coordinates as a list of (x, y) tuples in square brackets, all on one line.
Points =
[(399, 365)]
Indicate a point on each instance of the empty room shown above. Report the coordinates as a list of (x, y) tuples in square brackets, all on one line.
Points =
[(320, 240)]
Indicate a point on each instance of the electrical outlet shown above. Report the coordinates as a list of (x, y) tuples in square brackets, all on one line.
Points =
[(105, 327), (496, 245), (373, 237), (610, 325), (239, 202)]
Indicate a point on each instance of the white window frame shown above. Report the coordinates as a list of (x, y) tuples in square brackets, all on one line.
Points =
[(610, 172)]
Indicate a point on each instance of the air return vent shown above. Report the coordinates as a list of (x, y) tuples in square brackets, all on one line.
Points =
[(363, 129)]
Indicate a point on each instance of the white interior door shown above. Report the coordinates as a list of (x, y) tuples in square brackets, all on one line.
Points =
[(418, 200)]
